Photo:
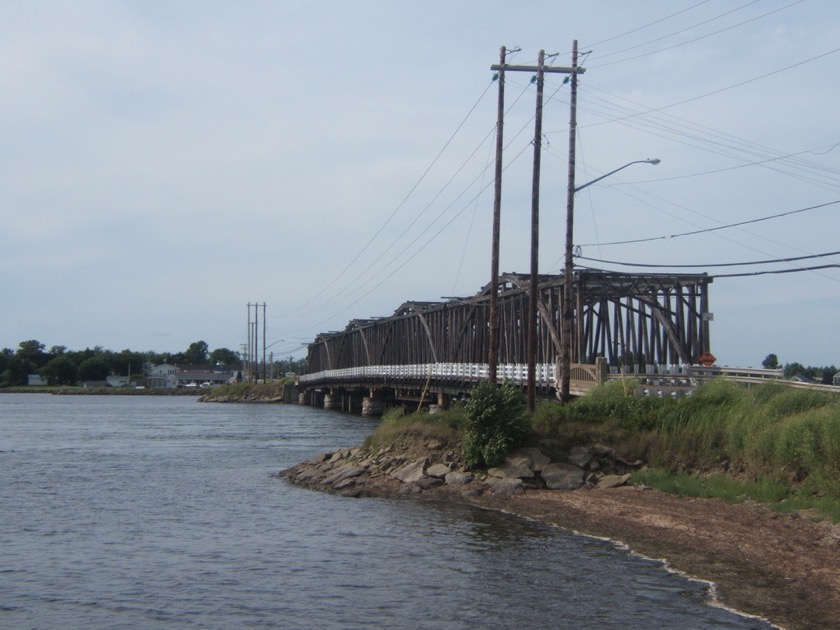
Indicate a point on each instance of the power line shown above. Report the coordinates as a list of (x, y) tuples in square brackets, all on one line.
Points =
[(728, 168), (718, 91), (757, 273), (713, 229), (351, 287), (730, 264), (400, 205), (697, 39), (779, 271), (648, 25)]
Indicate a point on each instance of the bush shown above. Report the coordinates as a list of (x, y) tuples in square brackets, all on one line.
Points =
[(494, 424)]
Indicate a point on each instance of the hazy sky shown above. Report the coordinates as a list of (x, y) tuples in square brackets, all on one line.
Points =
[(164, 163)]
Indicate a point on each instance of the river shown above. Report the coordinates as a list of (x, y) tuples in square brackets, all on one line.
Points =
[(161, 512)]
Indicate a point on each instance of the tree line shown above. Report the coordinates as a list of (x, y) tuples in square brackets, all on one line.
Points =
[(60, 366), (824, 374)]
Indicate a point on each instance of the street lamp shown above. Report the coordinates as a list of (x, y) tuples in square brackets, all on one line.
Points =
[(653, 161), (568, 281)]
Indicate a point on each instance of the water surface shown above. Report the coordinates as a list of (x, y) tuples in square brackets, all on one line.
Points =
[(161, 512)]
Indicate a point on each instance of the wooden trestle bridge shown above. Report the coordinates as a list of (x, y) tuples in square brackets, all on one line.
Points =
[(428, 352)]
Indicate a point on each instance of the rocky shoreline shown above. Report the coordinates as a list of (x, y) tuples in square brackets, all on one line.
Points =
[(785, 568)]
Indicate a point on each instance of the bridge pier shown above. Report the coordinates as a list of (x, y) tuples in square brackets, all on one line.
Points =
[(372, 405), (443, 402), (332, 401)]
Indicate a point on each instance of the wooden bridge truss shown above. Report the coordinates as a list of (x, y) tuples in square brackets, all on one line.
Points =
[(633, 321)]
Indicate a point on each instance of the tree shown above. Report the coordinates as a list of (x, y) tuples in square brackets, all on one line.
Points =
[(196, 353), (794, 369), (771, 362), (95, 368), (61, 370), (224, 356), (31, 355)]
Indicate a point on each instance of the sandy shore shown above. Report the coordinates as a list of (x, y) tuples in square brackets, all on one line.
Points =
[(784, 568), (781, 567)]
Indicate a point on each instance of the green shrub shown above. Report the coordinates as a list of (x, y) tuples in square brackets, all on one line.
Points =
[(495, 423)]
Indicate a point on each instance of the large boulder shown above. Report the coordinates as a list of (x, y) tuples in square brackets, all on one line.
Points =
[(411, 472), (613, 481), (537, 460), (562, 476), (513, 468), (438, 470), (346, 472), (580, 456), (458, 478), (504, 488)]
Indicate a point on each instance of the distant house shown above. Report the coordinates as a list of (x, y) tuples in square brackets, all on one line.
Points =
[(162, 376), (36, 379), (836, 380), (117, 381), (171, 376), (94, 384)]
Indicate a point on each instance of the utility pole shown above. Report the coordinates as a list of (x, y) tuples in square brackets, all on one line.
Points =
[(533, 285), (493, 333), (263, 357), (568, 269), (540, 69), (246, 350), (256, 344)]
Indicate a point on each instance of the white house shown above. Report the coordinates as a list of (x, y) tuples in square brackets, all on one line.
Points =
[(36, 379), (164, 375)]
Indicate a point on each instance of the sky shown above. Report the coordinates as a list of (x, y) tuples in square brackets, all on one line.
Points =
[(165, 164)]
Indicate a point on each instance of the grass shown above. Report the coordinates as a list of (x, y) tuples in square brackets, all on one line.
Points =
[(396, 428), (771, 443)]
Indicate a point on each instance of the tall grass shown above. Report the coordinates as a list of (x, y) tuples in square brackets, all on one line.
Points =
[(769, 437), (396, 428)]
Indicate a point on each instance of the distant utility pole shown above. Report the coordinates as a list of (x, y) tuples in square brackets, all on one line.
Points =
[(252, 348), (533, 312)]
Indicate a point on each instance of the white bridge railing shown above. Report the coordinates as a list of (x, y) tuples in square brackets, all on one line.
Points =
[(658, 379), (436, 372)]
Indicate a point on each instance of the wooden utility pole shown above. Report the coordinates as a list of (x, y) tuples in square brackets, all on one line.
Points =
[(263, 356), (493, 333), (533, 286), (568, 268), (540, 69)]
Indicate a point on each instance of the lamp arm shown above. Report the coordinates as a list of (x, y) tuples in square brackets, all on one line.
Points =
[(605, 175)]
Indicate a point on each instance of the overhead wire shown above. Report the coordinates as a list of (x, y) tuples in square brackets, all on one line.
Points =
[(354, 286), (648, 25), (696, 39), (707, 139), (419, 250), (764, 273), (382, 267), (728, 168), (400, 205), (726, 88), (713, 229), (770, 261)]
